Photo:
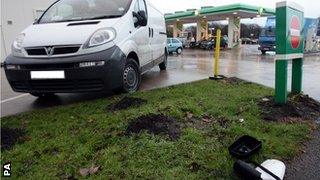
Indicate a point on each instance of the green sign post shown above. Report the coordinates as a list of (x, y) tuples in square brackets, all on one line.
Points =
[(290, 45)]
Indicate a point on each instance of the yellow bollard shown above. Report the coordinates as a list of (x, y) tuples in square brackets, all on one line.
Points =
[(217, 54)]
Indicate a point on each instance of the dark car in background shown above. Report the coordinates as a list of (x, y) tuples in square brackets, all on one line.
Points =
[(210, 43)]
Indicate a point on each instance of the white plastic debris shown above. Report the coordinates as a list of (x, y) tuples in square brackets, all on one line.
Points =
[(265, 99), (277, 167)]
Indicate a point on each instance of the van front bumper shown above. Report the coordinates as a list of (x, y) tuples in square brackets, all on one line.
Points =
[(77, 79)]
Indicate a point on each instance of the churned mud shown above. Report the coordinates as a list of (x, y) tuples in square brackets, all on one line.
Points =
[(298, 108), (156, 124), (9, 137), (126, 103), (171, 127), (232, 80)]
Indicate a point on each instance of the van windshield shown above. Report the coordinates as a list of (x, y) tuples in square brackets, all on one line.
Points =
[(77, 10)]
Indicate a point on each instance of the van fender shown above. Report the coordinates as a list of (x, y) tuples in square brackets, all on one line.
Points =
[(128, 47)]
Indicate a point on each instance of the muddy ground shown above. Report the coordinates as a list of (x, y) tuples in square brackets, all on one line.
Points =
[(9, 137), (126, 103), (171, 127), (298, 108), (232, 80), (156, 124)]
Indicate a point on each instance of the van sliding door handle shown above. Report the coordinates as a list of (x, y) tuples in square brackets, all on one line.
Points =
[(151, 32)]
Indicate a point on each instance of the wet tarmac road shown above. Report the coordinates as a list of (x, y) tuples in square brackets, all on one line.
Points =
[(245, 63)]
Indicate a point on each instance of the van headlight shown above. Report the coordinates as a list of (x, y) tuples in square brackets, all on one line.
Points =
[(100, 37), (17, 44)]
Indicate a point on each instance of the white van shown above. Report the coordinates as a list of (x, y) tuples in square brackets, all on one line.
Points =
[(88, 45)]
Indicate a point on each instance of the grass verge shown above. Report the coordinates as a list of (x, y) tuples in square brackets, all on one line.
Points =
[(59, 141)]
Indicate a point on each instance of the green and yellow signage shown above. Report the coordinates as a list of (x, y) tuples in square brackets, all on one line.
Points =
[(290, 45)]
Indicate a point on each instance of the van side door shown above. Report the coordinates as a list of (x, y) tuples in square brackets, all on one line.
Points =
[(158, 34), (142, 37)]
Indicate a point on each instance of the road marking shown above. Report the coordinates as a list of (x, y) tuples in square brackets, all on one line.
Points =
[(14, 98)]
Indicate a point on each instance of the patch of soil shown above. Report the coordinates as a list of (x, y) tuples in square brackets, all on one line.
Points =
[(9, 137), (156, 124), (126, 103), (233, 81), (298, 108)]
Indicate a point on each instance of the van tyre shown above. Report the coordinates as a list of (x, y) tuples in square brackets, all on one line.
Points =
[(131, 77), (179, 50), (263, 52), (163, 65)]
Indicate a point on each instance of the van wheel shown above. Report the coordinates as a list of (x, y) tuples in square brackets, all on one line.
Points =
[(263, 52), (163, 65), (131, 77), (179, 51), (42, 95)]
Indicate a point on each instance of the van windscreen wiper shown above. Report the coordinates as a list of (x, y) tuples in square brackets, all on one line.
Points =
[(66, 20), (104, 17)]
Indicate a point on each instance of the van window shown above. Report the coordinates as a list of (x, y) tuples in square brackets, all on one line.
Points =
[(140, 6), (77, 10), (136, 7)]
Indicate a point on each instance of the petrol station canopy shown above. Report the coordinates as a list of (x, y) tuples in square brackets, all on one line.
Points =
[(232, 13), (212, 13)]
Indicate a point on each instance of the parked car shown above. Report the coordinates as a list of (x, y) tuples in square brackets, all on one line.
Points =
[(197, 44), (210, 44), (174, 45), (87, 46), (184, 41)]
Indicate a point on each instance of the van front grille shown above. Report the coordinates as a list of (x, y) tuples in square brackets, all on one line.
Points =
[(52, 50), (59, 85), (49, 66)]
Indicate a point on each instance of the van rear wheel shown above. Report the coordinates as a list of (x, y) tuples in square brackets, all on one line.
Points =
[(163, 65), (131, 77)]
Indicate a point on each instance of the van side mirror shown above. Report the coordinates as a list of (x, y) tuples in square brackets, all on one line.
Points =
[(141, 18)]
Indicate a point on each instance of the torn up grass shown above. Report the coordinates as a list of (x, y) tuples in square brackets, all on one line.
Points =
[(61, 141)]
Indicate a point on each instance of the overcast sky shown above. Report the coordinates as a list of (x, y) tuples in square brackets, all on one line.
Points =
[(312, 7)]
